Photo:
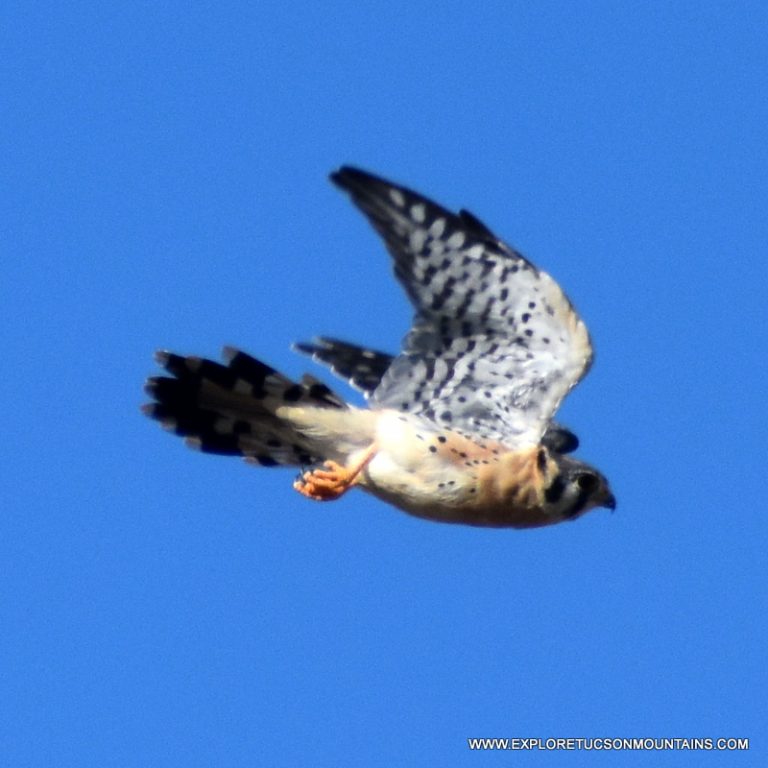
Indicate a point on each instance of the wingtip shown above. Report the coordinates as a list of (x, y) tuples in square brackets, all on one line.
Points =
[(347, 170), (349, 177), (337, 177)]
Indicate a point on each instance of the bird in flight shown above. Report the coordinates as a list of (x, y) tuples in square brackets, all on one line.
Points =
[(459, 425)]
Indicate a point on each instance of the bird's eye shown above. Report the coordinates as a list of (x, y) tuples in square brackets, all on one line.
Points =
[(587, 482)]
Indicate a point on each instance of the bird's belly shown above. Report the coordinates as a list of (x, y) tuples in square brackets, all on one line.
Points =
[(412, 482), (416, 472), (407, 469)]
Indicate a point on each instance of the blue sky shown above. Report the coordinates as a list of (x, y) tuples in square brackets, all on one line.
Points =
[(164, 181)]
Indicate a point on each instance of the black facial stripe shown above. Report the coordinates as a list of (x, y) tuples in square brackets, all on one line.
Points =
[(554, 494), (555, 491)]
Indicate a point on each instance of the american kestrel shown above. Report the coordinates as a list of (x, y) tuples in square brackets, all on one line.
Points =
[(459, 426)]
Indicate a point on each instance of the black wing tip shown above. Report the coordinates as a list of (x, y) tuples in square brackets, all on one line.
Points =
[(359, 182), (475, 225), (350, 178), (350, 172), (325, 345), (380, 197)]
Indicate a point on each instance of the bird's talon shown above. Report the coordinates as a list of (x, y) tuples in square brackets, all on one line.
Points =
[(325, 484)]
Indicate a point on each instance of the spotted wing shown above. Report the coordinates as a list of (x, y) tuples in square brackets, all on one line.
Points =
[(363, 368), (495, 345)]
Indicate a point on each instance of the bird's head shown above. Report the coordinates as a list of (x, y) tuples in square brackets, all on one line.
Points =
[(576, 488)]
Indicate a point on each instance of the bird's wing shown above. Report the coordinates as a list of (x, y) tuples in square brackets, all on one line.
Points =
[(495, 344), (363, 368)]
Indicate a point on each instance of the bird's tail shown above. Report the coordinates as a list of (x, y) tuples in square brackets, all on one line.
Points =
[(242, 408)]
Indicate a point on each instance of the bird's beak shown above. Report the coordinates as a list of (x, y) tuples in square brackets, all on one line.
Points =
[(609, 501)]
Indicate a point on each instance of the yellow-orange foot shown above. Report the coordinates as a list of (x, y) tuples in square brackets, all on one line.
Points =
[(326, 484)]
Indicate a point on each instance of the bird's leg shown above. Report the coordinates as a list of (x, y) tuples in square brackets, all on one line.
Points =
[(332, 482)]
